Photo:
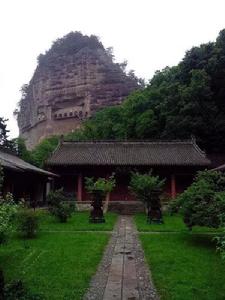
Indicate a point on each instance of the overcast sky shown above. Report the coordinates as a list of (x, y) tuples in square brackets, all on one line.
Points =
[(150, 34)]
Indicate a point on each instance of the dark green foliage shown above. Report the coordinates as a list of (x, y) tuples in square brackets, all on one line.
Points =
[(27, 222), (1, 179), (22, 151), (43, 150), (70, 44), (147, 188), (8, 210), (180, 101), (40, 153), (55, 197), (3, 132), (60, 206), (62, 211), (220, 240), (5, 143), (203, 203), (2, 284), (16, 290)]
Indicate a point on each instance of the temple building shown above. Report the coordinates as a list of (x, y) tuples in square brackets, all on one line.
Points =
[(176, 161)]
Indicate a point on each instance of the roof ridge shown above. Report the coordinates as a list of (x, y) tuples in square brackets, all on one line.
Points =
[(8, 151), (198, 149), (155, 141)]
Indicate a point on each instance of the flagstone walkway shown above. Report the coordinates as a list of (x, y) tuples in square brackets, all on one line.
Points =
[(122, 274)]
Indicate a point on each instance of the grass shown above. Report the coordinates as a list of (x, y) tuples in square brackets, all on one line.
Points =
[(185, 266), (172, 223), (60, 262), (78, 222)]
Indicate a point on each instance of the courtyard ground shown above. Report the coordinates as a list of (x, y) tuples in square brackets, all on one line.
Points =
[(64, 260), (123, 273)]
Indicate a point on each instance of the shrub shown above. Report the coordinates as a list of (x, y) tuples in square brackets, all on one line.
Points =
[(16, 290), (2, 284), (59, 206), (8, 209), (203, 203), (55, 197), (142, 185), (62, 211), (221, 244), (27, 222), (147, 189)]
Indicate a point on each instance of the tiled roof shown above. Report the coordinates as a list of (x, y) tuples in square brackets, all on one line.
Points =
[(13, 162), (144, 153)]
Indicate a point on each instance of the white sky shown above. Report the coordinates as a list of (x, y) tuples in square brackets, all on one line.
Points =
[(150, 34)]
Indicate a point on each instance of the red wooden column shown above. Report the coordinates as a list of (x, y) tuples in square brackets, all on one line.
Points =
[(173, 186), (79, 187)]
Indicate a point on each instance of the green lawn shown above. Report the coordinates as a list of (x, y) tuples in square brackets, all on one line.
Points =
[(172, 223), (79, 221), (185, 266), (60, 262)]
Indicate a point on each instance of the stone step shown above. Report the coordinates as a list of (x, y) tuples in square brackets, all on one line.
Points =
[(126, 207)]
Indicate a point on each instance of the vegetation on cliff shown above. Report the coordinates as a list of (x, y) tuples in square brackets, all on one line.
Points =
[(70, 44), (185, 100)]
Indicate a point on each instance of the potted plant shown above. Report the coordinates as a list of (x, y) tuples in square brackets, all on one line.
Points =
[(148, 188), (98, 190)]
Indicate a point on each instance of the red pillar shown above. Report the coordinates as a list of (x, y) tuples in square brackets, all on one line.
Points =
[(173, 186), (107, 198), (79, 187)]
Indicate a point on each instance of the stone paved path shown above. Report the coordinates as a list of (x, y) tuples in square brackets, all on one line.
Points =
[(123, 274)]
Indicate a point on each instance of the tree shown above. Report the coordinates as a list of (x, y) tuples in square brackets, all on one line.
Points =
[(147, 189), (203, 203), (1, 179), (43, 150), (4, 137), (22, 151)]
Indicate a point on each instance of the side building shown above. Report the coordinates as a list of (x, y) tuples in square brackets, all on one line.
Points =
[(23, 180)]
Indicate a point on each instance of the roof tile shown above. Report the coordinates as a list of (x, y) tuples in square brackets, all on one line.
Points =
[(166, 153)]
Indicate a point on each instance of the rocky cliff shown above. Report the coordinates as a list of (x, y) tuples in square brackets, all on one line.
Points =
[(73, 80)]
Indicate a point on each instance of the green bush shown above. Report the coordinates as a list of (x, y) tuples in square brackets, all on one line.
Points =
[(102, 185), (147, 188), (27, 222), (60, 205), (16, 290), (142, 185), (203, 203), (56, 197), (8, 209), (62, 211), (221, 244)]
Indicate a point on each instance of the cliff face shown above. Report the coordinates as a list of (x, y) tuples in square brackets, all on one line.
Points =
[(74, 79)]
